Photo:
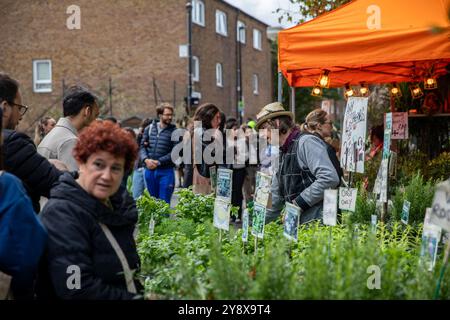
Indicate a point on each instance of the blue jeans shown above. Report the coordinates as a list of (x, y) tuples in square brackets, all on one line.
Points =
[(138, 183), (160, 183)]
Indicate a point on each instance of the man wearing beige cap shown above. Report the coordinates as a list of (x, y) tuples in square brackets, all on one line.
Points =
[(305, 169)]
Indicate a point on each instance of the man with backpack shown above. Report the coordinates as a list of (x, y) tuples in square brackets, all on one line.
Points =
[(155, 153)]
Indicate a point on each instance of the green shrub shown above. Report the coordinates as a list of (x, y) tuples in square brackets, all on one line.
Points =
[(419, 193)]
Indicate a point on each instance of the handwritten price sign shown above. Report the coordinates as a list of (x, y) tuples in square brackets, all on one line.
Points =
[(399, 126)]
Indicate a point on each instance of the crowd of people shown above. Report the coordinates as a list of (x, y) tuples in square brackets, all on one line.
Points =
[(79, 242)]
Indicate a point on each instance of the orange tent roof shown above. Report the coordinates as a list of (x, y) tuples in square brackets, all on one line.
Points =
[(375, 41)]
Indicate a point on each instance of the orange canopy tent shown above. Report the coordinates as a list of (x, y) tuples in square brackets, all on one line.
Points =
[(375, 41)]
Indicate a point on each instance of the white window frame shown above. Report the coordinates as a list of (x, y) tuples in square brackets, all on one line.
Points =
[(240, 37), (198, 12), (35, 78), (255, 80), (219, 75), (195, 69), (257, 39), (222, 14)]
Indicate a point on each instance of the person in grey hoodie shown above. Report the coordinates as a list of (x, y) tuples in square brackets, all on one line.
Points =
[(305, 170)]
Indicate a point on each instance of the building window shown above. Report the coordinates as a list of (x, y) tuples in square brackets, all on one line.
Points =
[(219, 75), (257, 39), (255, 84), (221, 23), (195, 69), (42, 76), (198, 12), (240, 32)]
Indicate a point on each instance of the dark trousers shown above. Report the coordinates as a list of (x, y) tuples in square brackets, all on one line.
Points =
[(236, 194)]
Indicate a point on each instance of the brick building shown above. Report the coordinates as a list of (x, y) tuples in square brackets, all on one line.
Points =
[(135, 43)]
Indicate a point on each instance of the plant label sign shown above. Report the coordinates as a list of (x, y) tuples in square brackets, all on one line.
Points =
[(245, 225), (221, 214), (430, 239), (387, 135), (347, 199), (377, 185), (259, 220), (440, 209), (213, 176), (291, 220), (399, 126), (151, 226), (354, 135), (373, 222), (330, 207), (384, 180), (224, 184), (405, 211), (262, 189)]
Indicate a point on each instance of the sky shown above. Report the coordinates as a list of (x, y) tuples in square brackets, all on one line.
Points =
[(264, 10)]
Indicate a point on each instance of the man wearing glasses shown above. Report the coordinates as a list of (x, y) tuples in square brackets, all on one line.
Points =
[(20, 156), (155, 153)]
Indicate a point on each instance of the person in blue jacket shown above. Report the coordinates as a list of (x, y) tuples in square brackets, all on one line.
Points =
[(22, 236), (155, 153)]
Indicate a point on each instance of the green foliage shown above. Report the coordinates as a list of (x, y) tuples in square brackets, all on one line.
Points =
[(197, 207), (439, 168), (365, 207), (419, 193), (149, 207)]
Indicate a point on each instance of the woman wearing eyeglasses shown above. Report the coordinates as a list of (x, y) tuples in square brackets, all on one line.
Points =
[(319, 123)]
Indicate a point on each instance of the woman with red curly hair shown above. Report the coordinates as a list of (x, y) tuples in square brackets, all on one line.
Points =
[(91, 253)]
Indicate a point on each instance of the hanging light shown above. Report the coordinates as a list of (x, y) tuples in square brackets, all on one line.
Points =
[(324, 79), (316, 91), (348, 91), (364, 90), (416, 91), (395, 90), (430, 83)]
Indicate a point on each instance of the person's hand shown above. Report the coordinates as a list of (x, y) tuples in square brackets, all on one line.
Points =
[(151, 164), (58, 164)]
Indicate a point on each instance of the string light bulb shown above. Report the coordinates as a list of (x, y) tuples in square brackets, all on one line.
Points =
[(324, 79), (364, 90), (317, 91), (416, 91), (430, 83), (395, 90), (348, 91)]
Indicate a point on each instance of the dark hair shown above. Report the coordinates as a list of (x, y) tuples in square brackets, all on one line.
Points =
[(109, 137), (130, 131), (230, 123), (160, 108), (145, 123), (223, 118), (206, 113), (76, 99), (110, 118), (8, 88), (377, 131)]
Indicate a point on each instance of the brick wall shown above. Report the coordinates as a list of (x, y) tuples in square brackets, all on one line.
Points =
[(133, 42)]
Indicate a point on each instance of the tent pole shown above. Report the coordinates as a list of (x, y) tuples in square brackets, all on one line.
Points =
[(280, 86), (293, 101)]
